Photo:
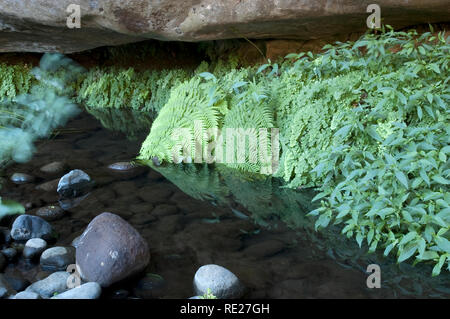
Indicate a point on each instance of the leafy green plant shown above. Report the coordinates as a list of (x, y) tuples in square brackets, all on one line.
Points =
[(208, 295)]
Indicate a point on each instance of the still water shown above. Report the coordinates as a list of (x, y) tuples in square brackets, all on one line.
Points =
[(195, 215)]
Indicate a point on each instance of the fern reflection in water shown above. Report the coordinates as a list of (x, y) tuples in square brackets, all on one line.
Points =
[(270, 204), (29, 112)]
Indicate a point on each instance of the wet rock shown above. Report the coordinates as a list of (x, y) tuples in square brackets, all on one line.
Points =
[(222, 282), (164, 210), (196, 297), (55, 283), (126, 170), (57, 258), (34, 248), (69, 203), (74, 184), (124, 188), (22, 178), (158, 193), (265, 249), (141, 208), (142, 219), (110, 250), (3, 262), (9, 253), (26, 227), (53, 168), (150, 287), (90, 290), (154, 176), (27, 295), (50, 186), (50, 213)]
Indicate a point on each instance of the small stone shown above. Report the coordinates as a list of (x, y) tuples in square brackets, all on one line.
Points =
[(9, 253), (74, 184), (222, 282), (127, 170), (90, 290), (53, 168), (33, 248), (26, 227), (27, 295), (22, 178), (3, 292), (164, 210), (57, 258), (55, 283), (50, 213), (50, 186), (110, 250)]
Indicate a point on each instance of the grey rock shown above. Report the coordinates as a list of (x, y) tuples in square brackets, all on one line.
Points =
[(49, 187), (36, 26), (27, 295), (196, 297), (53, 168), (50, 213), (22, 178), (34, 247), (55, 283), (74, 184), (222, 282), (26, 227), (90, 290), (110, 250), (57, 258)]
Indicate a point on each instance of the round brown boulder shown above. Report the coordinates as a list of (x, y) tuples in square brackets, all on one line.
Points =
[(110, 250)]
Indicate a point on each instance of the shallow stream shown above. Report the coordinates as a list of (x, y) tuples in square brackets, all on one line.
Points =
[(191, 216)]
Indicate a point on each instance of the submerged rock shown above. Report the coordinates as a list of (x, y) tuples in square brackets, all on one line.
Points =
[(22, 178), (126, 170), (74, 184), (50, 213), (53, 168), (90, 290), (26, 227), (50, 186), (10, 253), (222, 282), (110, 250)]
